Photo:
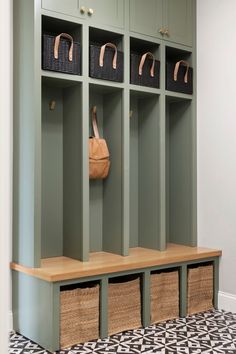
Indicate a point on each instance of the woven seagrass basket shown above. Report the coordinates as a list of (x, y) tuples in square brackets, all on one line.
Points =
[(124, 305), (79, 315), (200, 289), (164, 296)]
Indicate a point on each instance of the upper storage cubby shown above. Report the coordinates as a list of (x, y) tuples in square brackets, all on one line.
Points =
[(103, 12), (61, 209), (106, 57), (144, 170), (106, 208), (61, 53), (180, 172), (171, 20), (179, 71), (144, 63)]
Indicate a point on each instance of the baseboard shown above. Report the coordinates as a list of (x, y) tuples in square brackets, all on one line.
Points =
[(10, 319), (227, 301)]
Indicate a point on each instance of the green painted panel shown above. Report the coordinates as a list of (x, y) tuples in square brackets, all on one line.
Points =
[(146, 17), (96, 186), (178, 19), (32, 309), (106, 12), (72, 173), (112, 191), (179, 181), (67, 7), (52, 173), (27, 130)]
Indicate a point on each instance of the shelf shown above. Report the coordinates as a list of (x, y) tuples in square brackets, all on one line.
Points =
[(177, 96), (105, 85), (63, 268), (63, 79), (144, 90)]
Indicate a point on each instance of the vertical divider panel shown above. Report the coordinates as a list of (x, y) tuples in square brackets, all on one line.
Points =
[(85, 136), (146, 298), (162, 149), (72, 163), (125, 149), (183, 290), (104, 307), (216, 282)]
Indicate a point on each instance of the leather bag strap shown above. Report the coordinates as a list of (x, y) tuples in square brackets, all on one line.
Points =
[(57, 43), (94, 122), (176, 70), (142, 61), (102, 52)]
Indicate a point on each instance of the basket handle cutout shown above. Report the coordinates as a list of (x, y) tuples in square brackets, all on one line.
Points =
[(142, 61), (57, 43), (176, 70), (102, 52)]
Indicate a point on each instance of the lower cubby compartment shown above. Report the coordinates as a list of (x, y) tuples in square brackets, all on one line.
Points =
[(200, 293), (124, 304), (144, 170), (164, 295), (79, 314)]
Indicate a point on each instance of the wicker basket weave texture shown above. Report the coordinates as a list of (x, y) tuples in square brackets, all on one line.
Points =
[(79, 316), (62, 64), (164, 296), (124, 306), (200, 289)]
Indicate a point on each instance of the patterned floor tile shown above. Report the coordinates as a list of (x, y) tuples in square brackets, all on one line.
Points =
[(210, 332)]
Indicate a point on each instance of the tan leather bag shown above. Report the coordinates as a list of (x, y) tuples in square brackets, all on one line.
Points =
[(99, 162)]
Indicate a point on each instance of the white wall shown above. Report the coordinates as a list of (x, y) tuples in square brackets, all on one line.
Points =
[(5, 168), (216, 65)]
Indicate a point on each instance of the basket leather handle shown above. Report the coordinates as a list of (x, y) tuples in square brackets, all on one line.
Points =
[(142, 61), (57, 43), (102, 52), (94, 122), (176, 70)]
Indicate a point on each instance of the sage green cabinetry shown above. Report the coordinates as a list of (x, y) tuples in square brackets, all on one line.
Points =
[(171, 20), (106, 12)]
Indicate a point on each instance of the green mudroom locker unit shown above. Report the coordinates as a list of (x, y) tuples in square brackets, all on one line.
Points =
[(94, 256)]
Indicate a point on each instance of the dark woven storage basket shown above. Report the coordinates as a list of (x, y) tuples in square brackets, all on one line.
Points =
[(106, 72), (79, 315), (145, 79), (62, 64), (164, 296), (124, 306), (179, 85), (200, 289)]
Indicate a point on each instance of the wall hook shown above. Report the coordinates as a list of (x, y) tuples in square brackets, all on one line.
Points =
[(52, 105)]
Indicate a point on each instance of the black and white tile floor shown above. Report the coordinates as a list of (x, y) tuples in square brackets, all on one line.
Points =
[(206, 333)]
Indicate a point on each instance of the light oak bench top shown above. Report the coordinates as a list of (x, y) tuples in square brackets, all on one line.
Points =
[(64, 268)]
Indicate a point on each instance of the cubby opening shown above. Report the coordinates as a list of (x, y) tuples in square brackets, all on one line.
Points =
[(179, 172), (99, 37), (175, 54), (144, 170), (61, 212), (124, 303), (54, 26), (106, 195), (140, 46)]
